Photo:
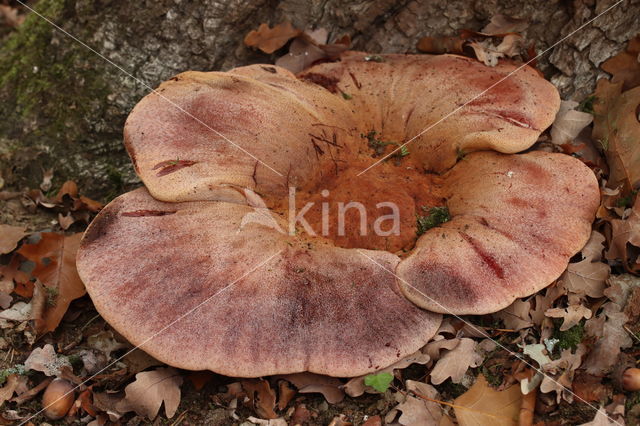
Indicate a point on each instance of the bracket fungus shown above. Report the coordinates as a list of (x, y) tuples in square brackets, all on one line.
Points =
[(203, 269)]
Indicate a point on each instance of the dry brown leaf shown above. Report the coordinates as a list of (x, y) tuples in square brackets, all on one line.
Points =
[(271, 39), (12, 383), (285, 394), (329, 387), (105, 342), (594, 247), (47, 361), (569, 123), (311, 47), (420, 410), (617, 128), (571, 315), (625, 66), (559, 373), (150, 389), (138, 360), (482, 405), (608, 330), (10, 236), (356, 387), (59, 275), (623, 232), (11, 16), (502, 24), (586, 278), (440, 45), (262, 399), (456, 362), (590, 388), (517, 315), (20, 311)]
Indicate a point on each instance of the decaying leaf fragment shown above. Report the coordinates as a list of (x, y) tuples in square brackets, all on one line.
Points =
[(55, 259), (569, 123), (456, 362), (150, 389), (483, 405), (416, 407), (617, 128), (624, 232), (10, 236), (625, 66), (270, 39), (608, 330), (46, 360)]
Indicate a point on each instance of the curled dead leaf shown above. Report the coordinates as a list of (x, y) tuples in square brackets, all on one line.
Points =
[(150, 389), (270, 39), (10, 236), (55, 259)]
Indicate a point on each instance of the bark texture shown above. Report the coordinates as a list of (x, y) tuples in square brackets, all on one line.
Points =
[(63, 106)]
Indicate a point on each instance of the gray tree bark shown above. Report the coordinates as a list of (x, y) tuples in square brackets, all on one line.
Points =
[(64, 106)]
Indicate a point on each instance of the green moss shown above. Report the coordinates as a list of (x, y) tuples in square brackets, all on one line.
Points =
[(568, 339), (51, 90), (434, 217)]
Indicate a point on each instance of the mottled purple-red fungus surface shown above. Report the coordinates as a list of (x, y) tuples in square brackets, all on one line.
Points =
[(203, 267)]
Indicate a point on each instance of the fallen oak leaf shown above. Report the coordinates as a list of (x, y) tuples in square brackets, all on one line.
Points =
[(285, 394), (150, 389), (456, 362), (571, 315), (420, 409), (623, 232), (625, 66), (11, 385), (617, 127), (586, 277), (59, 276), (10, 236), (329, 387), (261, 397), (310, 47), (503, 24), (271, 39), (46, 361), (482, 405), (517, 315), (608, 330), (20, 311), (569, 123)]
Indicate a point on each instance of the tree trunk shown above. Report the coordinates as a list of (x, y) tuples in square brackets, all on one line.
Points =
[(63, 106)]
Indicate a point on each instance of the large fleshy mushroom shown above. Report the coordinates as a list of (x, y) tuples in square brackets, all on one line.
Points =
[(206, 144)]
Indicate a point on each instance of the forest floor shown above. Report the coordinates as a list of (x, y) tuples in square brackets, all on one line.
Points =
[(567, 355)]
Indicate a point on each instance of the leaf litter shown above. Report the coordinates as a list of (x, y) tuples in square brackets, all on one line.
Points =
[(579, 331)]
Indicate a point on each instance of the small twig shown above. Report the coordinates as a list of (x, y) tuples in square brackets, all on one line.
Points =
[(89, 322), (28, 395), (180, 418), (631, 333)]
